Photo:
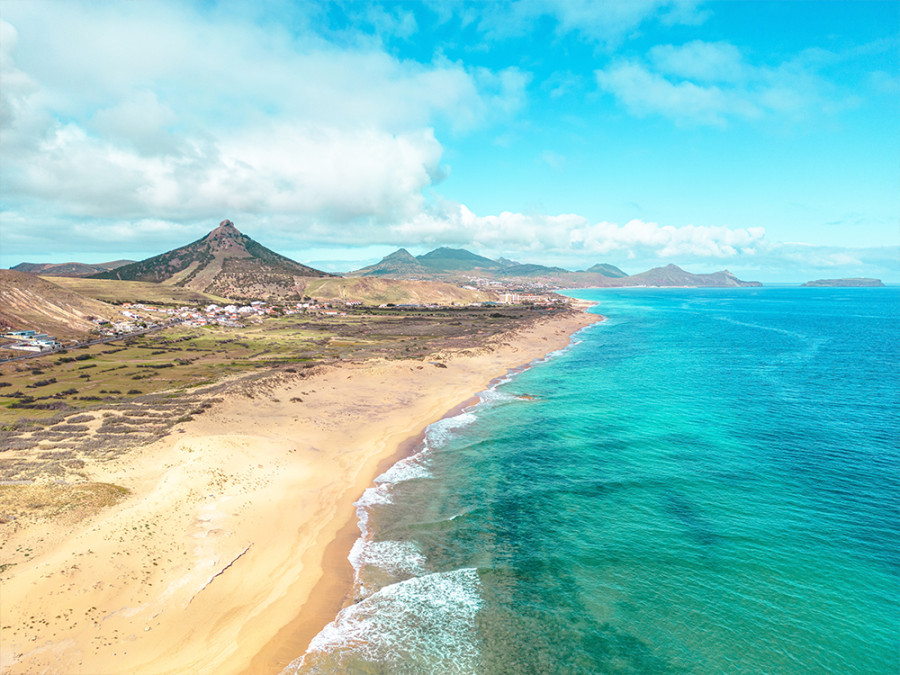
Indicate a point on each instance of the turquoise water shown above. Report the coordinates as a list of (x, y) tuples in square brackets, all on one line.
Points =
[(707, 482)]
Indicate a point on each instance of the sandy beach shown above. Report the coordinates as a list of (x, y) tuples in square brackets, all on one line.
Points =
[(230, 552)]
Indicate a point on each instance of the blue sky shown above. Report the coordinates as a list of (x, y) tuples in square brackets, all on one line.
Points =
[(761, 137)]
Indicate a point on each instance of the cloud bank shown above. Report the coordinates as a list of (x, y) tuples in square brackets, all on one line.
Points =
[(712, 83)]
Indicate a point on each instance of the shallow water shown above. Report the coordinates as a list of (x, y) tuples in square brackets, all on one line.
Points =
[(709, 481)]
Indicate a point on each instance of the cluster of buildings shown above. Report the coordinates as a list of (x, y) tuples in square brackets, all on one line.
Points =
[(31, 341), (527, 288), (228, 315), (136, 318), (256, 311), (528, 298)]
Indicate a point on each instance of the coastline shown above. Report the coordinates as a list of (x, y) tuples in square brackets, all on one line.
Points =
[(231, 551)]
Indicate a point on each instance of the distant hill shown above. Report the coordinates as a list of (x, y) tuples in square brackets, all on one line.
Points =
[(69, 269), (529, 270), (846, 283), (672, 275), (400, 264), (226, 263), (606, 270), (459, 265), (28, 302), (456, 259)]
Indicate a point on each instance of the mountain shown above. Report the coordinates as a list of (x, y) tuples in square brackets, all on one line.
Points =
[(846, 283), (400, 264), (672, 275), (438, 264), (529, 270), (226, 263), (28, 302), (458, 265), (456, 260), (606, 270), (69, 269)]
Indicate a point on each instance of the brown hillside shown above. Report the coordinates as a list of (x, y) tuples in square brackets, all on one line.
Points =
[(69, 269), (115, 291), (373, 291), (28, 302)]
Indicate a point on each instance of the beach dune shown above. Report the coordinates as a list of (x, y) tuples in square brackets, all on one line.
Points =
[(230, 553)]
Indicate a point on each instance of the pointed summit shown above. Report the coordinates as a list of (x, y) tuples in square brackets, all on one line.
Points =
[(400, 255), (225, 262), (445, 259), (225, 229), (226, 237), (398, 265)]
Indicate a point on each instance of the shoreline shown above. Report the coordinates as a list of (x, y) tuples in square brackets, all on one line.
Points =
[(330, 594), (293, 640), (231, 552)]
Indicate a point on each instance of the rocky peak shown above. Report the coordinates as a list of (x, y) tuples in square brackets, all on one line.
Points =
[(225, 227), (226, 235), (401, 254)]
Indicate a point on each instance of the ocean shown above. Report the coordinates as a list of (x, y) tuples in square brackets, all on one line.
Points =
[(706, 482)]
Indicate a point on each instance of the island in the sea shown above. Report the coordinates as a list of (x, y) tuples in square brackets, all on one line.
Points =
[(854, 282)]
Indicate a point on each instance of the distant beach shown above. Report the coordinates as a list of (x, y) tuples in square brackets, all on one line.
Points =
[(231, 551)]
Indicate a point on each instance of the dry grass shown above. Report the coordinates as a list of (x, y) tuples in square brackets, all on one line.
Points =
[(113, 291), (40, 502)]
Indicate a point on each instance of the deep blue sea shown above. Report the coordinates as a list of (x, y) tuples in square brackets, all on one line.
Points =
[(707, 482)]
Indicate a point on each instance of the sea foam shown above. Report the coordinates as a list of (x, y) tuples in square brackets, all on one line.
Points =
[(423, 625)]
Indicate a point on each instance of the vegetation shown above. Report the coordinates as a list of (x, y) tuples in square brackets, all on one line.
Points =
[(43, 501)]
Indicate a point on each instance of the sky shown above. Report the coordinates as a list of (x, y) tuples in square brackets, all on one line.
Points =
[(761, 137)]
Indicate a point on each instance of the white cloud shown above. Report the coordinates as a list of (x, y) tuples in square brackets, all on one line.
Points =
[(643, 92), (400, 22), (698, 60), (711, 83), (279, 169), (572, 234), (139, 121), (610, 21)]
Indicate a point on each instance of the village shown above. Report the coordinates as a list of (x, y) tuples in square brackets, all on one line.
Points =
[(518, 291)]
